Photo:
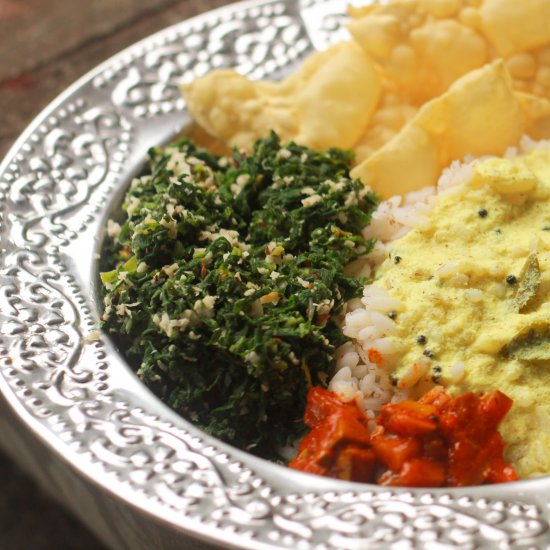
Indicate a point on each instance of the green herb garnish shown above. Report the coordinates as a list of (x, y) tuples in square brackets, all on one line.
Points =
[(229, 280)]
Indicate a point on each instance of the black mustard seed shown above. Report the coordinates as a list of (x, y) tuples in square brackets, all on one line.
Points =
[(482, 213), (511, 280)]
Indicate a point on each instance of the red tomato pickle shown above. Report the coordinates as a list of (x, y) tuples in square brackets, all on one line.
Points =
[(437, 441), (339, 442)]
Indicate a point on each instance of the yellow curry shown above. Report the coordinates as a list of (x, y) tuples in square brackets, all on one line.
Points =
[(474, 282)]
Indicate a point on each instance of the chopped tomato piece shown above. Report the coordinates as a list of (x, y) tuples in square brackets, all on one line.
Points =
[(339, 430), (469, 462), (320, 404), (435, 448), (416, 473), (437, 398), (394, 451), (355, 464), (459, 413), (408, 418), (422, 472), (493, 408)]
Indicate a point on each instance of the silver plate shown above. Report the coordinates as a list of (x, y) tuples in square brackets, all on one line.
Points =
[(138, 474)]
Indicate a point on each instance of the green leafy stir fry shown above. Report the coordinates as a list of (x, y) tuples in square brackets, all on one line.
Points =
[(228, 280)]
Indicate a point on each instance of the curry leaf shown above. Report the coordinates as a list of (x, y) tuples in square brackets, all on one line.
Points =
[(532, 344), (529, 282)]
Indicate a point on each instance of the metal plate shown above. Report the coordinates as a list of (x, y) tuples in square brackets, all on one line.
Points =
[(79, 399)]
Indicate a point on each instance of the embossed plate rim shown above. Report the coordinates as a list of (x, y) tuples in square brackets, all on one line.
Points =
[(262, 505)]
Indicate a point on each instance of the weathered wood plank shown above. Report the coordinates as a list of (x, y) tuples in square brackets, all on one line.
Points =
[(34, 31), (23, 97), (29, 518)]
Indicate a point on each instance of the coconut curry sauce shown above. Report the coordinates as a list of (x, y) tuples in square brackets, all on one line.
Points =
[(475, 285)]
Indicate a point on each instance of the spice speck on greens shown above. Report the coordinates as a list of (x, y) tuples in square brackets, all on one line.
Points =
[(227, 279)]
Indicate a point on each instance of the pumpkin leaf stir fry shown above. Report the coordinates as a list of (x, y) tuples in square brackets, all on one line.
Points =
[(228, 280)]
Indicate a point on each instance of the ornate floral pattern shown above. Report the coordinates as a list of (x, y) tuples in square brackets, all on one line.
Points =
[(77, 149), (259, 40), (56, 187), (41, 337)]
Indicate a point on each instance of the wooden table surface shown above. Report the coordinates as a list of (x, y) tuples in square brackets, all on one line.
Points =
[(45, 45)]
